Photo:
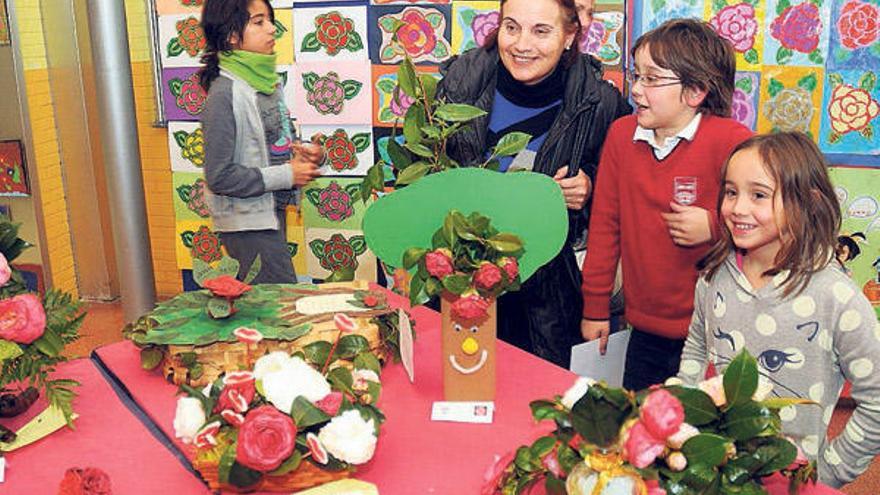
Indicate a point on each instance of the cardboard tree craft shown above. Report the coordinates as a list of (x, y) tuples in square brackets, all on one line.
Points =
[(515, 222)]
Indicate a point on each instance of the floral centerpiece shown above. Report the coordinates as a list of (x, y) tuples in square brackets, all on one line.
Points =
[(291, 422), (33, 333), (719, 438)]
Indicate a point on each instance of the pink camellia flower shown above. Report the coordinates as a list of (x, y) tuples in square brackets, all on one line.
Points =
[(483, 25), (714, 388), (22, 318), (247, 335), (439, 263), (662, 414), (232, 417), (236, 397), (330, 403), (685, 432), (495, 473), (511, 267), (798, 27), (266, 439), (641, 447), (471, 307), (654, 487), (238, 377), (487, 276), (319, 453), (5, 270), (207, 436), (737, 24), (344, 323)]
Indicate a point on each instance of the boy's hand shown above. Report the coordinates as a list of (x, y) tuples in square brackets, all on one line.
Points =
[(688, 225), (593, 329), (576, 190)]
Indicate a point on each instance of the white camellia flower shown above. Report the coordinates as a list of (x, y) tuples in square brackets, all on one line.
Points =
[(291, 379), (360, 378), (349, 438), (270, 363), (188, 418), (580, 387), (714, 388)]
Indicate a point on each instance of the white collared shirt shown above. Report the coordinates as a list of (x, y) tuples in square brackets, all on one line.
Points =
[(663, 150)]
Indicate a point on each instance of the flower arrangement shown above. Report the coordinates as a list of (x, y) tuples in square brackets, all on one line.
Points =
[(291, 422), (33, 332), (469, 259), (721, 437)]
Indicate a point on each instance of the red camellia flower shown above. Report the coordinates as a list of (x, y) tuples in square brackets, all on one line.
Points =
[(470, 307), (266, 439), (641, 447), (233, 418), (236, 396), (858, 24), (487, 276), (439, 263), (662, 414), (207, 436), (511, 268), (330, 403), (798, 27), (88, 481), (371, 301), (319, 453), (226, 286), (22, 318)]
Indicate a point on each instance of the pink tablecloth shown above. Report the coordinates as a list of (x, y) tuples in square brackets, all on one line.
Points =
[(107, 436), (415, 455)]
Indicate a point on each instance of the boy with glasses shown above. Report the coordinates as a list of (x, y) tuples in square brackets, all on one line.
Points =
[(658, 181)]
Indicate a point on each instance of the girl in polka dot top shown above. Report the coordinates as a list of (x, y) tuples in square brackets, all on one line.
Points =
[(772, 285)]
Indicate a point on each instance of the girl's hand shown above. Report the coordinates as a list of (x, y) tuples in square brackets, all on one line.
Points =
[(688, 225), (576, 190), (596, 329), (304, 171), (312, 152)]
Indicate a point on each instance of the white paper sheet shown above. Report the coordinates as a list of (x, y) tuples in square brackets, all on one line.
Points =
[(586, 360)]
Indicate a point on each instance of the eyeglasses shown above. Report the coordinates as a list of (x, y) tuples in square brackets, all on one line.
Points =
[(650, 81)]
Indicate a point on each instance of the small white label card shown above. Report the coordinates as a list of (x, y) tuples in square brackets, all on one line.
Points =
[(463, 412), (2, 469)]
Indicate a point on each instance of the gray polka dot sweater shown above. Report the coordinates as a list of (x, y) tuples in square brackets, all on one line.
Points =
[(806, 345)]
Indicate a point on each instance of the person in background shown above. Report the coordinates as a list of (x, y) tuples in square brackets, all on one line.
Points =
[(530, 77), (772, 285), (252, 160), (653, 207)]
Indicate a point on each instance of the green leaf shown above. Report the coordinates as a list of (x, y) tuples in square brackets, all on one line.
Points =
[(545, 409), (317, 247), (511, 143), (317, 352), (597, 419), (467, 16), (174, 49), (386, 85), (745, 85), (808, 82), (868, 81), (376, 177), (746, 421), (456, 283), (243, 477), (289, 465), (506, 243), (309, 80), (406, 78), (775, 454), (698, 406), (183, 192), (367, 361), (151, 357), (174, 85), (783, 55), (717, 5), (419, 149), (305, 414), (219, 308), (50, 343), (741, 379), (254, 270), (412, 256), (816, 57), (417, 291), (705, 448), (400, 159), (9, 350), (225, 464), (310, 43), (361, 141), (412, 123), (751, 56), (228, 266), (202, 271), (542, 446), (701, 477), (351, 88), (413, 173), (351, 345), (657, 5), (355, 42), (389, 24), (180, 138), (835, 79), (780, 402), (314, 196), (340, 379), (458, 112), (774, 87), (429, 84), (342, 275), (435, 19), (781, 5)]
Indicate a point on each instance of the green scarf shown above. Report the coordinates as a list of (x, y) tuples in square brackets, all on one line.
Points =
[(257, 69)]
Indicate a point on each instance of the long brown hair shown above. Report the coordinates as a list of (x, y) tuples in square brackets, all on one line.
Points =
[(220, 20), (698, 56), (812, 212), (571, 23)]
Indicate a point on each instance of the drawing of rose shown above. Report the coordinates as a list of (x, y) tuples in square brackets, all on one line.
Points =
[(193, 148), (858, 24), (333, 31), (327, 93), (341, 151), (851, 109), (190, 36), (337, 252), (400, 102), (742, 109), (483, 25), (416, 35), (790, 110), (205, 245), (737, 24), (798, 27), (196, 201), (189, 93), (592, 38), (334, 203)]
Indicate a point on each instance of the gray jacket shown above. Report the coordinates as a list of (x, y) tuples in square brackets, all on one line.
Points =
[(240, 182)]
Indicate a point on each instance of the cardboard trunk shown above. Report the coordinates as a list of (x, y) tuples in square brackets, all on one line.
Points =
[(468, 353)]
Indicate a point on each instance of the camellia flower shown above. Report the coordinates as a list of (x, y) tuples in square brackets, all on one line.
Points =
[(188, 418), (641, 447), (236, 397), (470, 307), (494, 473), (207, 435), (676, 461), (685, 432), (439, 263), (266, 439), (510, 267), (578, 390), (226, 286), (294, 378), (662, 414), (349, 438), (5, 270), (714, 388), (487, 276), (330, 404), (654, 488), (361, 377), (319, 453), (22, 318), (247, 335)]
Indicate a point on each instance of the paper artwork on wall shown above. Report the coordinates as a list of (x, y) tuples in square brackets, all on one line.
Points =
[(186, 145), (330, 33), (182, 95), (741, 23), (181, 40), (389, 103), (746, 92), (790, 99), (473, 21), (284, 32), (286, 77), (5, 36), (332, 93), (333, 203), (165, 7), (404, 2), (189, 197), (602, 38), (349, 149), (855, 35), (336, 250), (195, 239), (424, 34), (851, 106), (296, 241), (13, 171), (657, 12), (282, 4), (381, 136), (797, 32)]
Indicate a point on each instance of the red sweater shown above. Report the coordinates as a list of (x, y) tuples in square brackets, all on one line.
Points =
[(632, 189)]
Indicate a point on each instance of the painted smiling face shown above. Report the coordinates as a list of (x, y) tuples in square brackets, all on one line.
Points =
[(468, 354)]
